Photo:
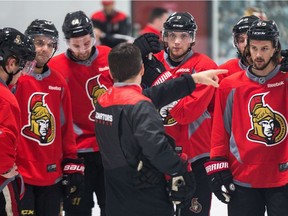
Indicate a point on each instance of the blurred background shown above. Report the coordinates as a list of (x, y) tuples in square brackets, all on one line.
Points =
[(215, 19)]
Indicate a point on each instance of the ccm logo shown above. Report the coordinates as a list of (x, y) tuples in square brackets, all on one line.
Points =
[(74, 167)]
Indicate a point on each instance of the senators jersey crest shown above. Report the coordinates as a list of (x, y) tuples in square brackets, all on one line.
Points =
[(41, 122), (164, 112), (94, 89), (268, 126)]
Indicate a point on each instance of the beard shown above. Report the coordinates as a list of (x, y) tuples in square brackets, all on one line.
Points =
[(260, 66)]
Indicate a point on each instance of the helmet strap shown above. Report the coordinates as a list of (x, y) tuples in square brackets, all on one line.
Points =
[(10, 75)]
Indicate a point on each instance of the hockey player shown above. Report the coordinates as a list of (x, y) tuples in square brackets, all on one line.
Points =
[(188, 121), (85, 67), (47, 147), (157, 17), (16, 50), (248, 165), (111, 26), (239, 40), (129, 131)]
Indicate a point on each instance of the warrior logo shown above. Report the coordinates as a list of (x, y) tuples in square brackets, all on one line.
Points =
[(195, 207), (167, 119), (41, 122), (94, 89), (268, 126)]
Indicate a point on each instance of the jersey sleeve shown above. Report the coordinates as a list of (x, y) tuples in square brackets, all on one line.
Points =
[(68, 137), (170, 90), (191, 107), (9, 132), (221, 128)]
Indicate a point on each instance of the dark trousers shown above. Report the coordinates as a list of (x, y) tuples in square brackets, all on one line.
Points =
[(200, 204), (41, 200), (9, 199), (94, 183), (255, 201)]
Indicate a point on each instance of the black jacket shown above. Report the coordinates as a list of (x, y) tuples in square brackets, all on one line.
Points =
[(128, 128)]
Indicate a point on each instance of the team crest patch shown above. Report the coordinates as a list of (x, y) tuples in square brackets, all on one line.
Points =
[(269, 127), (94, 89), (41, 122), (195, 207), (164, 112)]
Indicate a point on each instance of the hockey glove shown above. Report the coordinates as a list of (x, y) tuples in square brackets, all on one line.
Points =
[(221, 180), (147, 175), (148, 43), (152, 70), (284, 61), (73, 178), (182, 188)]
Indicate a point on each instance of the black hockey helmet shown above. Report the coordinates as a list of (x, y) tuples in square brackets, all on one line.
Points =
[(263, 30), (77, 24), (244, 24), (180, 21), (14, 43), (43, 27)]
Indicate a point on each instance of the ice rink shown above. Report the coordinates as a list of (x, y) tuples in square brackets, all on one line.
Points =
[(218, 208)]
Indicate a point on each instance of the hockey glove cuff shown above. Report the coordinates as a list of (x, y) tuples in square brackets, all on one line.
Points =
[(152, 70), (221, 179), (73, 177)]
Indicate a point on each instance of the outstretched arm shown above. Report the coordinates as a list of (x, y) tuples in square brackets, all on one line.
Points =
[(178, 88), (208, 77)]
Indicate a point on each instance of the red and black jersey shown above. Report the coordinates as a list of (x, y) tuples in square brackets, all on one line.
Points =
[(189, 120), (117, 23), (46, 130), (250, 128), (129, 128), (9, 131), (86, 81)]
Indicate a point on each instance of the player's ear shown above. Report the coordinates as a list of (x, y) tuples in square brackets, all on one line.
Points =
[(142, 70)]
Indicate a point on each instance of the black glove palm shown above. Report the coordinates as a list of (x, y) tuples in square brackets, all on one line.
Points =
[(73, 178), (284, 61), (152, 70), (221, 179), (148, 43), (181, 189)]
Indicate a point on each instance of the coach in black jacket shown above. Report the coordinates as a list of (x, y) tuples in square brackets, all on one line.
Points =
[(130, 130)]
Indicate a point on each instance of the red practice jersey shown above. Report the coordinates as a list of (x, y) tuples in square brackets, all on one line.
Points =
[(150, 29), (188, 120), (86, 81), (9, 131), (233, 66), (250, 128), (46, 130)]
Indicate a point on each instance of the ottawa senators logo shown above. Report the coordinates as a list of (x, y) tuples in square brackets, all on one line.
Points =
[(196, 206), (167, 119), (94, 89), (268, 126), (41, 122)]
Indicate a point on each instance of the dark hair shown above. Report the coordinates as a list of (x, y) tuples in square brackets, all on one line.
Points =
[(157, 12), (125, 61), (264, 30)]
